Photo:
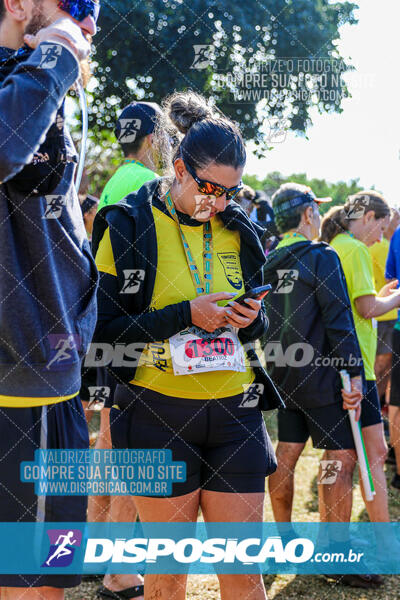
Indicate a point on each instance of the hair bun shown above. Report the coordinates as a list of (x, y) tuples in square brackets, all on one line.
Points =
[(187, 108)]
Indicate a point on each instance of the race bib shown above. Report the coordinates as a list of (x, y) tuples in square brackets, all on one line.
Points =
[(194, 350)]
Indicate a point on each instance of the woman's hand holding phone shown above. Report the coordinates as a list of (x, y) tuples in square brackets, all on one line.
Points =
[(242, 315), (206, 313)]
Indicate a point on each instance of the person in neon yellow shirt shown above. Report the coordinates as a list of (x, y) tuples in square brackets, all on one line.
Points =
[(134, 131), (351, 230), (383, 362)]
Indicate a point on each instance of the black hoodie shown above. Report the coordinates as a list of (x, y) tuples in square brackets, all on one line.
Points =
[(48, 277), (311, 322)]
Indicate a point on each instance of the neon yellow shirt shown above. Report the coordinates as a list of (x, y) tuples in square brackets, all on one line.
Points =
[(357, 266), (174, 284), (127, 179), (290, 240), (379, 253), (25, 402)]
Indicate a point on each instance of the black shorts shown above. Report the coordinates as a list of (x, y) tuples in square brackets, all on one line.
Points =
[(22, 431), (328, 426), (395, 377), (226, 447), (385, 336)]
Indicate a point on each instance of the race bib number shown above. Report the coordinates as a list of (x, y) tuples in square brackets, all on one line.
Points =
[(197, 351)]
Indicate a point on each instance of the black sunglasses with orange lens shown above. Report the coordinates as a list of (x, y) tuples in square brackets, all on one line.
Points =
[(210, 188)]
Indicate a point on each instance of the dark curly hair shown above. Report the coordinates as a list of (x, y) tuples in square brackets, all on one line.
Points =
[(201, 135)]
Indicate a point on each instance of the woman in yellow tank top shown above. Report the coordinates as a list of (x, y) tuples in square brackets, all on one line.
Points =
[(171, 257)]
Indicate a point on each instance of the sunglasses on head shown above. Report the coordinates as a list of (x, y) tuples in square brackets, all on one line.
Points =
[(80, 9), (210, 188)]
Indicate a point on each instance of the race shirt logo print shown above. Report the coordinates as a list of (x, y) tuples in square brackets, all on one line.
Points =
[(231, 264)]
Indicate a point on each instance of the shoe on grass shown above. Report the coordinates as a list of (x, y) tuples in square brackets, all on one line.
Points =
[(396, 481), (359, 581), (391, 457)]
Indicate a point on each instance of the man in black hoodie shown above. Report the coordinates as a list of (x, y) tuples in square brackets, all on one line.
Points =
[(310, 339), (48, 277)]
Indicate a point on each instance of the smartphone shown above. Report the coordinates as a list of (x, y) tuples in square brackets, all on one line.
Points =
[(256, 293)]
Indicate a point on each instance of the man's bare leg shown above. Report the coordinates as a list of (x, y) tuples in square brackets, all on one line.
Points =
[(335, 500), (394, 423), (375, 445), (112, 509), (383, 364), (281, 483)]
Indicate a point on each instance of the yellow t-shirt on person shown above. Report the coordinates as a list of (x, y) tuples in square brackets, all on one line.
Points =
[(379, 253), (174, 284), (357, 266)]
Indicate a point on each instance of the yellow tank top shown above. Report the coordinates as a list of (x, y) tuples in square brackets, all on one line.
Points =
[(174, 284)]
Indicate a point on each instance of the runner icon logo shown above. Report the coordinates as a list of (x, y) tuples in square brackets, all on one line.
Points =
[(330, 469), (129, 130), (252, 395), (287, 277), (202, 58), (133, 279), (55, 205), (50, 54), (277, 130), (357, 206), (203, 207), (63, 350), (98, 396), (62, 547)]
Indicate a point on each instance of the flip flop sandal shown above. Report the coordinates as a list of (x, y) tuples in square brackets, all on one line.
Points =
[(127, 594)]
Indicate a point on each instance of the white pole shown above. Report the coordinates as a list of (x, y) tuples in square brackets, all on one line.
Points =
[(85, 128), (362, 457)]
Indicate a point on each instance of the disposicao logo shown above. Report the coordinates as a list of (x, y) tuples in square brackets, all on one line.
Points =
[(62, 547)]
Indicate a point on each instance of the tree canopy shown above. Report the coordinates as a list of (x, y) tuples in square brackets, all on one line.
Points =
[(339, 191), (237, 53)]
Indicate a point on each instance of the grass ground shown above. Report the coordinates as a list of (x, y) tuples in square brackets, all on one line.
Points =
[(292, 587)]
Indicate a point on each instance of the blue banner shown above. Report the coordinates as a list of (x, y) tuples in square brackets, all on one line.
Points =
[(200, 548)]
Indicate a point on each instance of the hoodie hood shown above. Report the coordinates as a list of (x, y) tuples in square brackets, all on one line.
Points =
[(285, 258), (10, 58)]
